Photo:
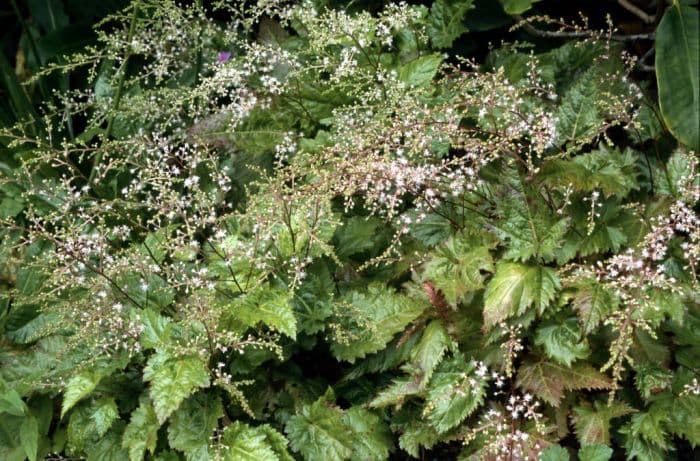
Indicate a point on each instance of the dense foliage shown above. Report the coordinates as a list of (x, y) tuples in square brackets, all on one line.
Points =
[(350, 231)]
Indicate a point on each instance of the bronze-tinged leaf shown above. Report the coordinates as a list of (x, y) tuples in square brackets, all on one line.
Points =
[(592, 422), (548, 380)]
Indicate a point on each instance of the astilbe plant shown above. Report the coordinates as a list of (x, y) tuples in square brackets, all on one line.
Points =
[(308, 233)]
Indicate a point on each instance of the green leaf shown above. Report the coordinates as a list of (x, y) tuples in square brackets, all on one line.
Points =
[(318, 432), (103, 414), (172, 380), (563, 342), (592, 423), (554, 453), (453, 394), (677, 62), (246, 443), (376, 316), (651, 379), (446, 21), (674, 177), (549, 380), (79, 386), (416, 435), (429, 351), (592, 302), (270, 306), (372, 439), (397, 392), (141, 434), (595, 452), (313, 300), (29, 436), (109, 447), (420, 71), (193, 423), (584, 108), (517, 6), (456, 266), (10, 401), (605, 169), (528, 227), (516, 287), (156, 329)]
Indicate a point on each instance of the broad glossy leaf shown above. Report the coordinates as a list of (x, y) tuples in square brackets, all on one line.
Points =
[(677, 76)]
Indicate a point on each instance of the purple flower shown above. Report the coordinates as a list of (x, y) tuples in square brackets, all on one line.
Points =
[(224, 56)]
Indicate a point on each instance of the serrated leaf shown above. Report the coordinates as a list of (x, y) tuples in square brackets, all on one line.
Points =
[(525, 224), (78, 387), (10, 401), (685, 412), (157, 329), (446, 21), (592, 423), (104, 413), (651, 379), (554, 453), (596, 452), (582, 113), (246, 443), (677, 49), (172, 380), (417, 435), (453, 394), (673, 177), (372, 439), (313, 300), (141, 434), (318, 432), (562, 342), (193, 423), (429, 351), (549, 380), (516, 287), (456, 266), (109, 447), (605, 169), (270, 306), (29, 436), (397, 392), (377, 315), (356, 235), (420, 71), (592, 302)]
